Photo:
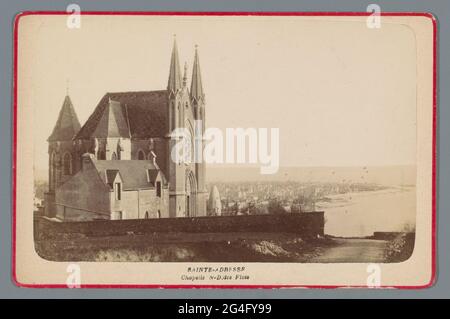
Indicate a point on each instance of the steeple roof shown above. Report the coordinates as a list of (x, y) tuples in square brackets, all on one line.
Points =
[(112, 123), (175, 78), (196, 83), (67, 124)]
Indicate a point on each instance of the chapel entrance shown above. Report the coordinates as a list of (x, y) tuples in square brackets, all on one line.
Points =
[(191, 189)]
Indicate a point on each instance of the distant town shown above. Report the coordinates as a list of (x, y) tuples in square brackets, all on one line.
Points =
[(259, 197), (252, 198)]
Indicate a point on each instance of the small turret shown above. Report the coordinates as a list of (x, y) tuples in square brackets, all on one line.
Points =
[(214, 202)]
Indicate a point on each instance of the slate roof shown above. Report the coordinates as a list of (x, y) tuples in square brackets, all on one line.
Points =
[(143, 112), (132, 172), (67, 124)]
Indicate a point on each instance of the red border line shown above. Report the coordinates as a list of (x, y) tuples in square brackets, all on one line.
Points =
[(207, 13)]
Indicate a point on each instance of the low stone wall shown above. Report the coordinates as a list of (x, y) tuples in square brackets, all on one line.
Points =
[(305, 224)]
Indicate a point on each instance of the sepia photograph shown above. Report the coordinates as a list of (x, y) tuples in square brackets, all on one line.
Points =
[(221, 148)]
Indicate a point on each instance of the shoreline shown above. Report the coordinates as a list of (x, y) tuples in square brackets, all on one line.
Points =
[(348, 197)]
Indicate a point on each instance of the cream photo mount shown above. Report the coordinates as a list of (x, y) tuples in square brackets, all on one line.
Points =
[(419, 271)]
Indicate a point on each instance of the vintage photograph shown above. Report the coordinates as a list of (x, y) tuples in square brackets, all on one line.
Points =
[(226, 139)]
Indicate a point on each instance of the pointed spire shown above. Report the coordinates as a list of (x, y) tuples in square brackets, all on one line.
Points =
[(196, 83), (67, 124), (174, 83)]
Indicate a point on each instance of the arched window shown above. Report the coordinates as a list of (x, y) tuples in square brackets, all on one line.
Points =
[(146, 215), (119, 150), (118, 191), (158, 189), (67, 164), (191, 136), (190, 189), (180, 115), (114, 156), (101, 155), (173, 115), (52, 170), (141, 155)]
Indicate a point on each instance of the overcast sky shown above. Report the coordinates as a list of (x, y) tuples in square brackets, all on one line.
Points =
[(340, 93)]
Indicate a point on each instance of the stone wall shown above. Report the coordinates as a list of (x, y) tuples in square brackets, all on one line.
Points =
[(304, 224), (83, 192), (134, 204)]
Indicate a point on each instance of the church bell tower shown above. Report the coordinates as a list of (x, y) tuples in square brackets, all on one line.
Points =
[(197, 97), (176, 99), (63, 161)]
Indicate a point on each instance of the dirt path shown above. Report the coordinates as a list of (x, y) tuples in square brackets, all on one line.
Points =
[(352, 250), (213, 247)]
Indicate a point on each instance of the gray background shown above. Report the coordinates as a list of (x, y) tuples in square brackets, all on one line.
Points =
[(8, 9)]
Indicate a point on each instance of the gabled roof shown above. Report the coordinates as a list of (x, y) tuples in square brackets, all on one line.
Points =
[(111, 176), (132, 172), (112, 123), (67, 124), (143, 113), (152, 175)]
